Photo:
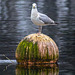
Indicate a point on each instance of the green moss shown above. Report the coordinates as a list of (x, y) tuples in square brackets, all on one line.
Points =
[(27, 50)]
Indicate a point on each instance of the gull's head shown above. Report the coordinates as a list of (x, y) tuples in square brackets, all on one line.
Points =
[(34, 5)]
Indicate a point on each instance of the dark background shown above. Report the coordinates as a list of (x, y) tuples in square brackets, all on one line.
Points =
[(15, 24)]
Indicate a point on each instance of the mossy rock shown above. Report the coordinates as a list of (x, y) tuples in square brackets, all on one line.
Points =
[(36, 48)]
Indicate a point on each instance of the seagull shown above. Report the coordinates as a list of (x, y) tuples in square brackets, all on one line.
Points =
[(40, 19)]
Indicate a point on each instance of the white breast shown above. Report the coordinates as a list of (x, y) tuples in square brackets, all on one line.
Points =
[(35, 18)]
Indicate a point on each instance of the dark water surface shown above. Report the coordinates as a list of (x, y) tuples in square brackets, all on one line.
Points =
[(15, 24)]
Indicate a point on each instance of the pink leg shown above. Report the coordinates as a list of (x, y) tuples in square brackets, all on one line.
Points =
[(40, 29)]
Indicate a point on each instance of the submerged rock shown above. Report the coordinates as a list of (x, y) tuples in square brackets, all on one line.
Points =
[(36, 49), (51, 69)]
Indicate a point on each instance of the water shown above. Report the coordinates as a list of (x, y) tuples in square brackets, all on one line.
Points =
[(15, 24)]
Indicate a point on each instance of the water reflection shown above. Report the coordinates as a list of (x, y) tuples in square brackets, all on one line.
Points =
[(51, 69)]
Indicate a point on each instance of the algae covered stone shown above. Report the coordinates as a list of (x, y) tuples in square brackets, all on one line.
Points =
[(37, 49)]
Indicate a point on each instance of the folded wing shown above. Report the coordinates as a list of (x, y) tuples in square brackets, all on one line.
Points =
[(45, 19)]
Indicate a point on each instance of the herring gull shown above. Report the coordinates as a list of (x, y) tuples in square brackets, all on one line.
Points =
[(40, 19)]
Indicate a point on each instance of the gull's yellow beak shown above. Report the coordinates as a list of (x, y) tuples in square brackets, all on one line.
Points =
[(33, 6)]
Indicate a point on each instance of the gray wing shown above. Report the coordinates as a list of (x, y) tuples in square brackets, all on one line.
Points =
[(45, 19)]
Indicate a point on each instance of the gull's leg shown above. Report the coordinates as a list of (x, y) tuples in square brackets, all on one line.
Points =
[(40, 29)]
